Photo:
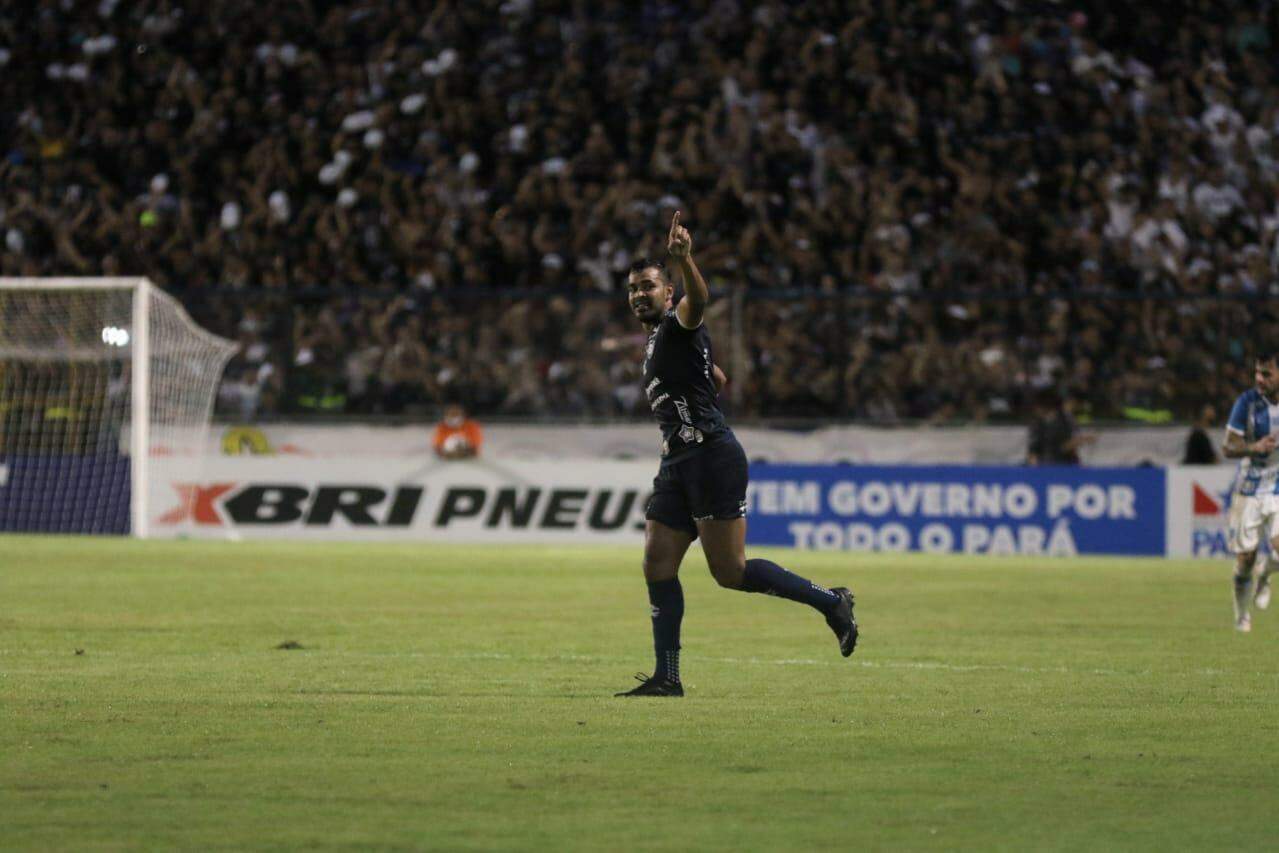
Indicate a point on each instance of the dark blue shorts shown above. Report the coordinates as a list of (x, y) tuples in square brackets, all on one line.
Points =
[(709, 484)]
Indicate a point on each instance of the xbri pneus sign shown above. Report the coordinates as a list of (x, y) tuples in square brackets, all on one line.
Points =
[(338, 499), (500, 508)]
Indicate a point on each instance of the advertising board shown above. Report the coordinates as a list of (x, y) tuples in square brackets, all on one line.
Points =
[(959, 509)]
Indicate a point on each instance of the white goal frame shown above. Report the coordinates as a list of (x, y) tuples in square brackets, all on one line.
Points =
[(140, 374)]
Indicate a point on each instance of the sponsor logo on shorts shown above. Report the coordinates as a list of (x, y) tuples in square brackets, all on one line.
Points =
[(741, 513)]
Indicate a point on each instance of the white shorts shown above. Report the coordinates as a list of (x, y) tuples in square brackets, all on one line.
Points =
[(1250, 516)]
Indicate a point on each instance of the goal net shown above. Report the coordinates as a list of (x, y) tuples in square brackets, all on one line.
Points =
[(103, 381)]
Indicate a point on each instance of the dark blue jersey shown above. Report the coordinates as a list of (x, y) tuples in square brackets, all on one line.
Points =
[(680, 388)]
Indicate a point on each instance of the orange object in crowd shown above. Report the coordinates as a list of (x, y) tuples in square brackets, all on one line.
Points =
[(448, 436)]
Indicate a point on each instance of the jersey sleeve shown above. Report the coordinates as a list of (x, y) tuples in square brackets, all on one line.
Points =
[(672, 322), (1238, 422)]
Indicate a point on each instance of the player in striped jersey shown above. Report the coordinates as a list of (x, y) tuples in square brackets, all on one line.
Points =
[(1252, 436)]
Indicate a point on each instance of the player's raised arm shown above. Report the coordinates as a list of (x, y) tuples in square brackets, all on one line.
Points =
[(1236, 444), (680, 246)]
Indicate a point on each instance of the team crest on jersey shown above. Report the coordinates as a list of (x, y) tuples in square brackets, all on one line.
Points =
[(688, 434)]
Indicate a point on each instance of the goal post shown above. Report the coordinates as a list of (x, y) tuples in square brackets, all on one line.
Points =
[(103, 382)]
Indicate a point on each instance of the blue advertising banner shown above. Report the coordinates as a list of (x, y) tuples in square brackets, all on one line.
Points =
[(953, 509), (64, 494)]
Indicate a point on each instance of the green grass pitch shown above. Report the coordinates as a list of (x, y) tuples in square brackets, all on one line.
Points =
[(460, 698)]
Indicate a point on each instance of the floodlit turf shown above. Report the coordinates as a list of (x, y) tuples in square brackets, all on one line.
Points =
[(460, 698)]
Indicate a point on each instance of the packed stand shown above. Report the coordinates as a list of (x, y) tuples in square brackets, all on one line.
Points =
[(355, 190)]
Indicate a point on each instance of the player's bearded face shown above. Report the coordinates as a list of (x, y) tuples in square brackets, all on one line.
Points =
[(647, 295), (1267, 378)]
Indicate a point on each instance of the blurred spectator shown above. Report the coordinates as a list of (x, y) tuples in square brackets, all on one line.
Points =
[(1200, 449), (456, 435), (1054, 435)]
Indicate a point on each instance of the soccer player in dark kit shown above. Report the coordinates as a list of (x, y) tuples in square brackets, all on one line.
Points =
[(700, 489)]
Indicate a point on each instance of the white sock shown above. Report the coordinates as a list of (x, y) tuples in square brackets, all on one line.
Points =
[(1243, 586), (1267, 566)]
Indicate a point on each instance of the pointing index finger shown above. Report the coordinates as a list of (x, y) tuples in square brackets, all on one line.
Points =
[(674, 225)]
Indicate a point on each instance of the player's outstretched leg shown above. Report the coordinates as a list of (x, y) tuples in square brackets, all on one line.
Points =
[(835, 604), (724, 544), (1243, 586), (1261, 595)]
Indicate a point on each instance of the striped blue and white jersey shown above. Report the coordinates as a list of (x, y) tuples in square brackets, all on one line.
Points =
[(1254, 417)]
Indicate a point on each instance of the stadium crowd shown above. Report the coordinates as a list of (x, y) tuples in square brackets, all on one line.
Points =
[(928, 209)]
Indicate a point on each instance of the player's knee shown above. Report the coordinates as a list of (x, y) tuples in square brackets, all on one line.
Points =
[(728, 573), (1244, 563), (657, 569), (727, 581)]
